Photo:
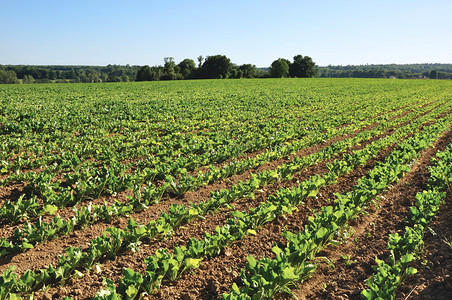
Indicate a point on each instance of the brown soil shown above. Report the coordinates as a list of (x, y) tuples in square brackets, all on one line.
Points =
[(216, 275), (216, 268), (354, 260), (434, 277), (40, 256)]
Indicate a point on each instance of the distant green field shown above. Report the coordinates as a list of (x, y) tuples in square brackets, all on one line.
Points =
[(75, 156)]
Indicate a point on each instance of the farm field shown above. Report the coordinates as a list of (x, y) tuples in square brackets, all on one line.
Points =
[(233, 189)]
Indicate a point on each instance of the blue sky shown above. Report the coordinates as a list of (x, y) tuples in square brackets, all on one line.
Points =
[(133, 32)]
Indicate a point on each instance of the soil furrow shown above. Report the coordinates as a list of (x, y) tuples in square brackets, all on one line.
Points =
[(31, 258), (354, 260), (258, 246)]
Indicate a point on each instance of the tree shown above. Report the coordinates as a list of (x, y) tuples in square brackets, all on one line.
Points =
[(94, 77), (433, 74), (8, 77), (169, 72), (236, 72), (52, 74), (103, 77), (248, 70), (28, 79), (217, 66), (72, 74), (279, 68), (144, 74), (82, 75), (187, 68), (200, 60), (302, 67)]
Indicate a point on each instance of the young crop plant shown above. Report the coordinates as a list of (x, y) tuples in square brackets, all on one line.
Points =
[(302, 248), (405, 249), (73, 156)]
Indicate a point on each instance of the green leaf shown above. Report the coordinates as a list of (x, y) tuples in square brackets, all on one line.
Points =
[(131, 291), (289, 273), (192, 263), (277, 250), (50, 209), (235, 289), (251, 261), (321, 233), (26, 245), (251, 231), (193, 212), (28, 278), (14, 297), (367, 294), (78, 274), (407, 258), (411, 271)]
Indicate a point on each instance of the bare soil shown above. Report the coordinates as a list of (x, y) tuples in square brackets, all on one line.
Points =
[(353, 260)]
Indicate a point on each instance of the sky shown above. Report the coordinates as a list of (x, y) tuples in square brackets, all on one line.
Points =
[(135, 32)]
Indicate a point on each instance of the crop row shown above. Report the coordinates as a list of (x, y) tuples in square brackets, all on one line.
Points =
[(406, 248), (115, 239), (89, 182), (62, 147), (264, 278), (192, 149), (170, 266), (30, 234)]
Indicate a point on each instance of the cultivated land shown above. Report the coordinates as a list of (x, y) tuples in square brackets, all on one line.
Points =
[(227, 188)]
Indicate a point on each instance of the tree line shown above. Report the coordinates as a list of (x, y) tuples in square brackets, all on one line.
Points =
[(214, 67), (61, 74), (403, 71), (220, 67), (210, 67)]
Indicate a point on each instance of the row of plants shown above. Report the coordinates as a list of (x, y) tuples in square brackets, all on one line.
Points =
[(31, 234), (266, 277), (166, 265), (115, 240), (93, 127), (89, 182), (118, 144), (148, 139), (405, 248)]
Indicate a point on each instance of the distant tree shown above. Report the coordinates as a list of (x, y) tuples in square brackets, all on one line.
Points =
[(235, 72), (248, 70), (52, 74), (187, 68), (262, 73), (104, 77), (125, 78), (297, 67), (433, 74), (216, 67), (28, 79), (94, 77), (72, 75), (169, 69), (156, 72), (144, 74), (200, 61), (114, 78), (82, 75), (8, 77), (302, 67), (279, 68)]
